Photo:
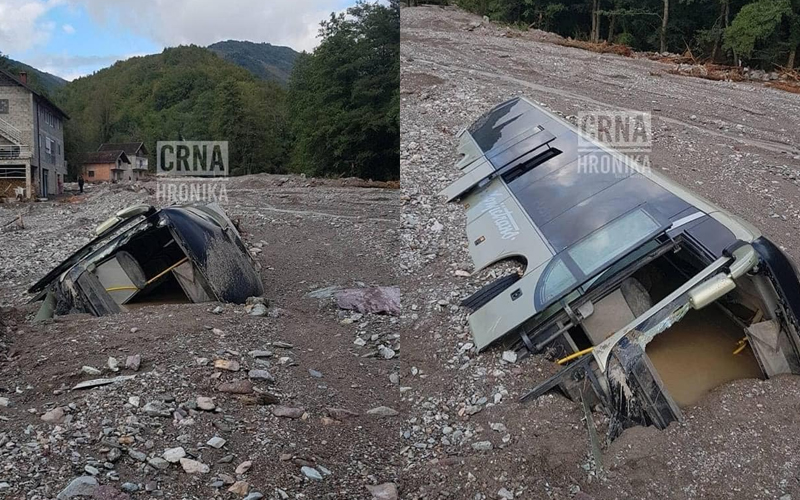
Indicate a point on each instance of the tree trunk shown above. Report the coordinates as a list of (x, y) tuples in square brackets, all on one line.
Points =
[(611, 26), (593, 34), (792, 54), (664, 21)]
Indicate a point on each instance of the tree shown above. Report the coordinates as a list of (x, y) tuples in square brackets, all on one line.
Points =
[(756, 22), (344, 98)]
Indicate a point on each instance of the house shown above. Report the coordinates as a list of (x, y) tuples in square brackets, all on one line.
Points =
[(31, 140), (136, 153), (105, 166)]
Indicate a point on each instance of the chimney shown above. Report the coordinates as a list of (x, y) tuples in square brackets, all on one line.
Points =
[(23, 77)]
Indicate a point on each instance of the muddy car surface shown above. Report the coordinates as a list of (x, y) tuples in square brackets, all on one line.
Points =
[(648, 294), (143, 255)]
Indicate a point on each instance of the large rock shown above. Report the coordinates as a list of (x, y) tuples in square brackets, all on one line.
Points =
[(373, 300), (383, 411), (83, 486)]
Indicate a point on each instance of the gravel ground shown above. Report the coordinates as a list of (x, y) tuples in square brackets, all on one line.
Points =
[(304, 426), (466, 436)]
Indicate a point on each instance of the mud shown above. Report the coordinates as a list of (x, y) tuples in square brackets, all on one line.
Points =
[(695, 355)]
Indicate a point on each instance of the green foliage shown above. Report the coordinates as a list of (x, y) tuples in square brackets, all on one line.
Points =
[(265, 61), (756, 22), (344, 99), (184, 93)]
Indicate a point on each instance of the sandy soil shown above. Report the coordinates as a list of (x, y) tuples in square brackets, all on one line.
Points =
[(735, 143)]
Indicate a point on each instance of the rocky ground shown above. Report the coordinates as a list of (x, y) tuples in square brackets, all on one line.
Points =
[(466, 436), (213, 402)]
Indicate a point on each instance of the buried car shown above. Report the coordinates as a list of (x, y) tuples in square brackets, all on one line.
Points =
[(143, 255), (646, 293)]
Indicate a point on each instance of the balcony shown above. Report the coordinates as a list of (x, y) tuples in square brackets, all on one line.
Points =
[(14, 152)]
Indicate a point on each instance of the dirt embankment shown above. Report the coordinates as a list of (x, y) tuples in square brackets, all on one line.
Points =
[(326, 367), (467, 437)]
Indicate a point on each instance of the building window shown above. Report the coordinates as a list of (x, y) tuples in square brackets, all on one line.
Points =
[(3, 106), (48, 146), (91, 173)]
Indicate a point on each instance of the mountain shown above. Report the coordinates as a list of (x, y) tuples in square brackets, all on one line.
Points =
[(187, 93), (40, 80), (265, 61)]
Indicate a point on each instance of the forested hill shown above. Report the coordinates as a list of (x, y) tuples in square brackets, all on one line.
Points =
[(40, 80), (182, 93), (264, 60), (758, 33)]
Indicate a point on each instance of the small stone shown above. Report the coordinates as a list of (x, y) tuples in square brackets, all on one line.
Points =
[(134, 401), (244, 467), (226, 364), (260, 354), (385, 491), (311, 473), (151, 486), (129, 487), (259, 310), (54, 416), (283, 345), (236, 387), (174, 455), (137, 455), (225, 460), (216, 442), (360, 342), (482, 446), (394, 378), (498, 427), (505, 494), (383, 411), (193, 466), (113, 455), (217, 310), (314, 373), (287, 412), (158, 463), (386, 352), (340, 413), (91, 470), (157, 409), (261, 375), (80, 486), (509, 356), (113, 364), (205, 403), (90, 370), (133, 362), (239, 488), (254, 496)]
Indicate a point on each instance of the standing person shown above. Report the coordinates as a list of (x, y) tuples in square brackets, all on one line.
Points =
[(80, 183)]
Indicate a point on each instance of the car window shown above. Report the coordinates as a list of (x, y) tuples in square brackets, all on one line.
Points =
[(612, 240), (557, 279)]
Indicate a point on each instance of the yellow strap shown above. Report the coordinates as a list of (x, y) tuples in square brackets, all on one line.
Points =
[(162, 273), (575, 355)]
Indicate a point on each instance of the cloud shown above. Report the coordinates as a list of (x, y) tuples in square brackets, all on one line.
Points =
[(68, 29), (21, 27), (70, 67), (202, 22)]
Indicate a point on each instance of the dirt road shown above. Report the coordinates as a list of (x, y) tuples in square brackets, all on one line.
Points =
[(307, 235), (467, 437)]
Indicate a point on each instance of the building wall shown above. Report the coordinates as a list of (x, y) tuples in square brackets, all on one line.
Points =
[(102, 172), (20, 101), (50, 127)]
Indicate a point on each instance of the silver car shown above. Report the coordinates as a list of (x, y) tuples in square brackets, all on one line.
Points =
[(646, 293)]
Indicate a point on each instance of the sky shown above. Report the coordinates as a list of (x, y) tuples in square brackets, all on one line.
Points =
[(72, 38)]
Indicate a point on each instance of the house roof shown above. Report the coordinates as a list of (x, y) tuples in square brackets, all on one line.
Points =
[(105, 157), (41, 96), (130, 148)]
